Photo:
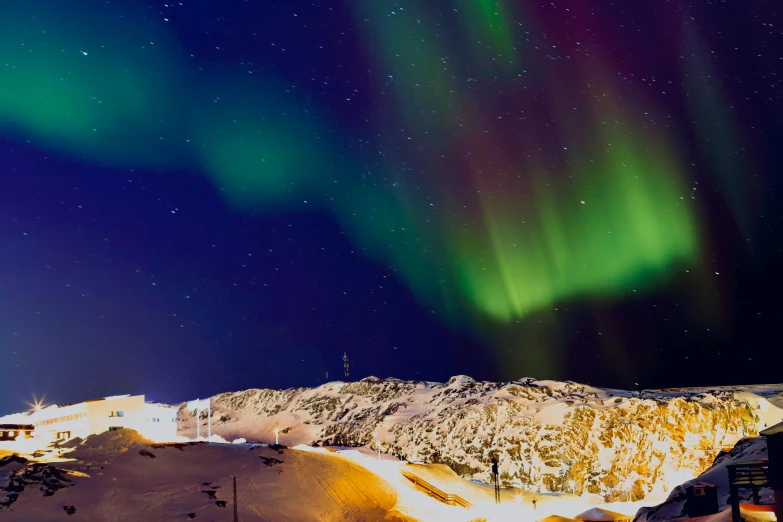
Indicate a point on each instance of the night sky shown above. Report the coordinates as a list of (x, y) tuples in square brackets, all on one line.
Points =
[(204, 196)]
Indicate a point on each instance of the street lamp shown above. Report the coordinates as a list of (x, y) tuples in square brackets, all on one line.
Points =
[(277, 430)]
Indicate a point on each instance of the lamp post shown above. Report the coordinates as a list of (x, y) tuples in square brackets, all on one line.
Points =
[(277, 430)]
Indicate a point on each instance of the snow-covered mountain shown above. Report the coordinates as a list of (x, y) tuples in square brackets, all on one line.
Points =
[(552, 436)]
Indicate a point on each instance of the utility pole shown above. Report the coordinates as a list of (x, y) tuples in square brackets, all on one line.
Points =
[(347, 366), (495, 480), (198, 419), (236, 511)]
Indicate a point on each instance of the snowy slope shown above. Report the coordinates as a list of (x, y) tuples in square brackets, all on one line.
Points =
[(120, 477), (552, 436)]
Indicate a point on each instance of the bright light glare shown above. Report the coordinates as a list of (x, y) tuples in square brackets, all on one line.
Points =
[(37, 404)]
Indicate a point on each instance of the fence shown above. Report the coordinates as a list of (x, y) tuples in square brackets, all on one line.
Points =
[(433, 491)]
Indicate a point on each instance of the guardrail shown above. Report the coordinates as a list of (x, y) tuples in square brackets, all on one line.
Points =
[(433, 491)]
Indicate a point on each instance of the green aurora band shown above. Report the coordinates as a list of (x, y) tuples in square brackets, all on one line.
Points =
[(121, 91), (621, 227)]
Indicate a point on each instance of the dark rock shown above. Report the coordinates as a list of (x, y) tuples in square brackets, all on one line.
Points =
[(146, 453), (10, 499), (270, 461), (179, 445), (12, 458)]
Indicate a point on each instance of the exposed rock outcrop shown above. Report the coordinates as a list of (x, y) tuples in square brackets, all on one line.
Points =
[(553, 436)]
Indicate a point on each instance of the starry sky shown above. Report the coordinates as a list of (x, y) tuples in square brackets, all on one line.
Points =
[(200, 197)]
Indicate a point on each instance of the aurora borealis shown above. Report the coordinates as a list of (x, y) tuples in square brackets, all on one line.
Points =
[(504, 161)]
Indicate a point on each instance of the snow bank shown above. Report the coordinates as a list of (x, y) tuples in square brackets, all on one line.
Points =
[(123, 438)]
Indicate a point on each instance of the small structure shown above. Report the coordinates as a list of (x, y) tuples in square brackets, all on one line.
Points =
[(557, 518), (598, 514), (751, 475), (701, 499), (16, 431), (154, 421), (774, 436)]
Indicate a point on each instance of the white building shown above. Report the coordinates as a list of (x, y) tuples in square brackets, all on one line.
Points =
[(153, 421)]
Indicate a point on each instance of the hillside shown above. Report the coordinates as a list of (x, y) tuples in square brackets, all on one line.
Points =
[(552, 436), (119, 476)]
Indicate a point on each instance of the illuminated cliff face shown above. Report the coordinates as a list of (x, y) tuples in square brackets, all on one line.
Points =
[(548, 435)]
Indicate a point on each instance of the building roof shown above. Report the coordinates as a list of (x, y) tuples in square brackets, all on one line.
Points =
[(112, 397), (773, 430), (17, 427), (702, 484), (557, 518), (600, 514), (759, 462)]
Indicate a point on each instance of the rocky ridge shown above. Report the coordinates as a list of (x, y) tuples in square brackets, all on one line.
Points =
[(547, 435)]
